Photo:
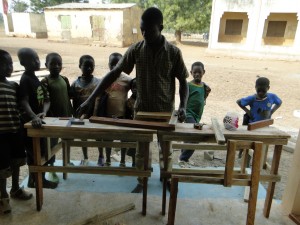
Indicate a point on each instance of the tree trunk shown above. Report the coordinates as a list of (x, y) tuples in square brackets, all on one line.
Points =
[(178, 36)]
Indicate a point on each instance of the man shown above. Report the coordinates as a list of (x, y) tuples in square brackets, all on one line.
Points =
[(157, 63)]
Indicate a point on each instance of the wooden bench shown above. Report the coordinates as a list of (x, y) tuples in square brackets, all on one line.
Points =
[(227, 177)]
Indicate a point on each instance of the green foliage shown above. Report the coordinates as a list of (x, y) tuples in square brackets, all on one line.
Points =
[(1, 18), (180, 15), (39, 5), (19, 6)]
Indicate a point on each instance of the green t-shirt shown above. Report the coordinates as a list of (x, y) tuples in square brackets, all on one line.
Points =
[(196, 101), (60, 104)]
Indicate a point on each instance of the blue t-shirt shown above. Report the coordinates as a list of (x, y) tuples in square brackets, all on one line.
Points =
[(260, 109)]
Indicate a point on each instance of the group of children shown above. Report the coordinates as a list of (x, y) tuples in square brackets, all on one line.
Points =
[(32, 100)]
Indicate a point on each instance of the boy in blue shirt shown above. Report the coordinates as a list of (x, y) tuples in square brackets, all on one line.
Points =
[(262, 104)]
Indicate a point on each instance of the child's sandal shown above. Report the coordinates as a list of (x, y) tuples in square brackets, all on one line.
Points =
[(6, 208), (21, 194)]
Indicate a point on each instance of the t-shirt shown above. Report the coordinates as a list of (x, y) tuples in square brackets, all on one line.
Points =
[(9, 110), (31, 86), (196, 101), (260, 109), (57, 88), (155, 75), (117, 96), (81, 89)]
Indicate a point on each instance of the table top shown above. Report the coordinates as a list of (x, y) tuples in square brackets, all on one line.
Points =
[(55, 127), (185, 131)]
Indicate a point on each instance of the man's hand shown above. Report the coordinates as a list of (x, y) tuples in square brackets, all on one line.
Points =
[(181, 114), (37, 122), (41, 115), (83, 108)]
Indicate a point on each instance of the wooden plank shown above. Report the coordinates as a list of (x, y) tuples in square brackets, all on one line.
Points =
[(132, 123), (260, 124), (101, 144), (106, 215), (165, 116), (255, 173), (218, 131), (173, 201), (271, 186), (228, 174), (199, 146), (295, 218), (92, 170)]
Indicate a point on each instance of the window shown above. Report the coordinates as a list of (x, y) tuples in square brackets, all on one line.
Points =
[(276, 28), (233, 27)]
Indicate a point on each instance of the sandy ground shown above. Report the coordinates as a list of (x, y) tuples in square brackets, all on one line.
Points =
[(230, 78)]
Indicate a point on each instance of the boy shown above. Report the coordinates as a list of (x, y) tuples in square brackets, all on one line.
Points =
[(12, 154), (198, 92), (262, 104), (157, 63), (58, 88), (80, 91), (116, 101), (35, 103)]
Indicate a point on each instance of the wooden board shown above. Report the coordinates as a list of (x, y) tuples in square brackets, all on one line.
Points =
[(153, 115), (260, 124), (133, 123), (218, 132)]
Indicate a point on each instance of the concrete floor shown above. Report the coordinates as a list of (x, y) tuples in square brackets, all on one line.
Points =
[(84, 196)]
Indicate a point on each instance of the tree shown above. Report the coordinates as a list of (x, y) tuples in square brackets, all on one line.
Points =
[(19, 6), (180, 15), (39, 5)]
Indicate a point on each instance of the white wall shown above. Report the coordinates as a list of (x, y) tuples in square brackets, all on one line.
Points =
[(81, 25), (258, 11)]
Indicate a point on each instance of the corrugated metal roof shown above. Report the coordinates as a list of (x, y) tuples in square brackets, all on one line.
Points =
[(91, 6)]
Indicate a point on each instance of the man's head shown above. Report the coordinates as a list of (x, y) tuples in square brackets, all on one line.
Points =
[(6, 64), (262, 85), (133, 87), (151, 24), (197, 71), (54, 63), (113, 60), (87, 65), (29, 59)]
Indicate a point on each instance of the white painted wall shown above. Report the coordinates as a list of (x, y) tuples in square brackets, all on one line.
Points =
[(81, 26), (258, 11)]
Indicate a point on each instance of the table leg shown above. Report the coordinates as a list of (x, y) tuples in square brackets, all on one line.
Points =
[(165, 146), (38, 175), (144, 147), (65, 156), (271, 186), (173, 201)]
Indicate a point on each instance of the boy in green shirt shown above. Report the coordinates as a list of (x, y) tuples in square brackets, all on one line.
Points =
[(198, 92)]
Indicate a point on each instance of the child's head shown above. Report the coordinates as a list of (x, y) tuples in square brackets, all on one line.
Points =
[(133, 86), (197, 71), (151, 24), (87, 65), (262, 85), (6, 64), (54, 63), (113, 60), (29, 59)]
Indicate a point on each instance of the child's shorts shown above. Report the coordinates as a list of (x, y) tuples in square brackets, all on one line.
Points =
[(12, 152)]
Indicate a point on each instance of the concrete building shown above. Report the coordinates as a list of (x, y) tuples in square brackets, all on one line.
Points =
[(102, 24), (257, 26), (25, 25)]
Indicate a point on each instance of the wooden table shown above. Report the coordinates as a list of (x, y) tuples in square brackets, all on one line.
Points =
[(56, 128), (186, 133)]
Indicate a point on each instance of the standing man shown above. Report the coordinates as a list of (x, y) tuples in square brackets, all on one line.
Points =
[(157, 63)]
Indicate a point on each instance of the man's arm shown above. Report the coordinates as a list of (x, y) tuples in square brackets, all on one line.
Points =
[(107, 80), (183, 95)]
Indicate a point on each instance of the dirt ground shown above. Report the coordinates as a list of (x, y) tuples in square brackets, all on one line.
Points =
[(230, 76)]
